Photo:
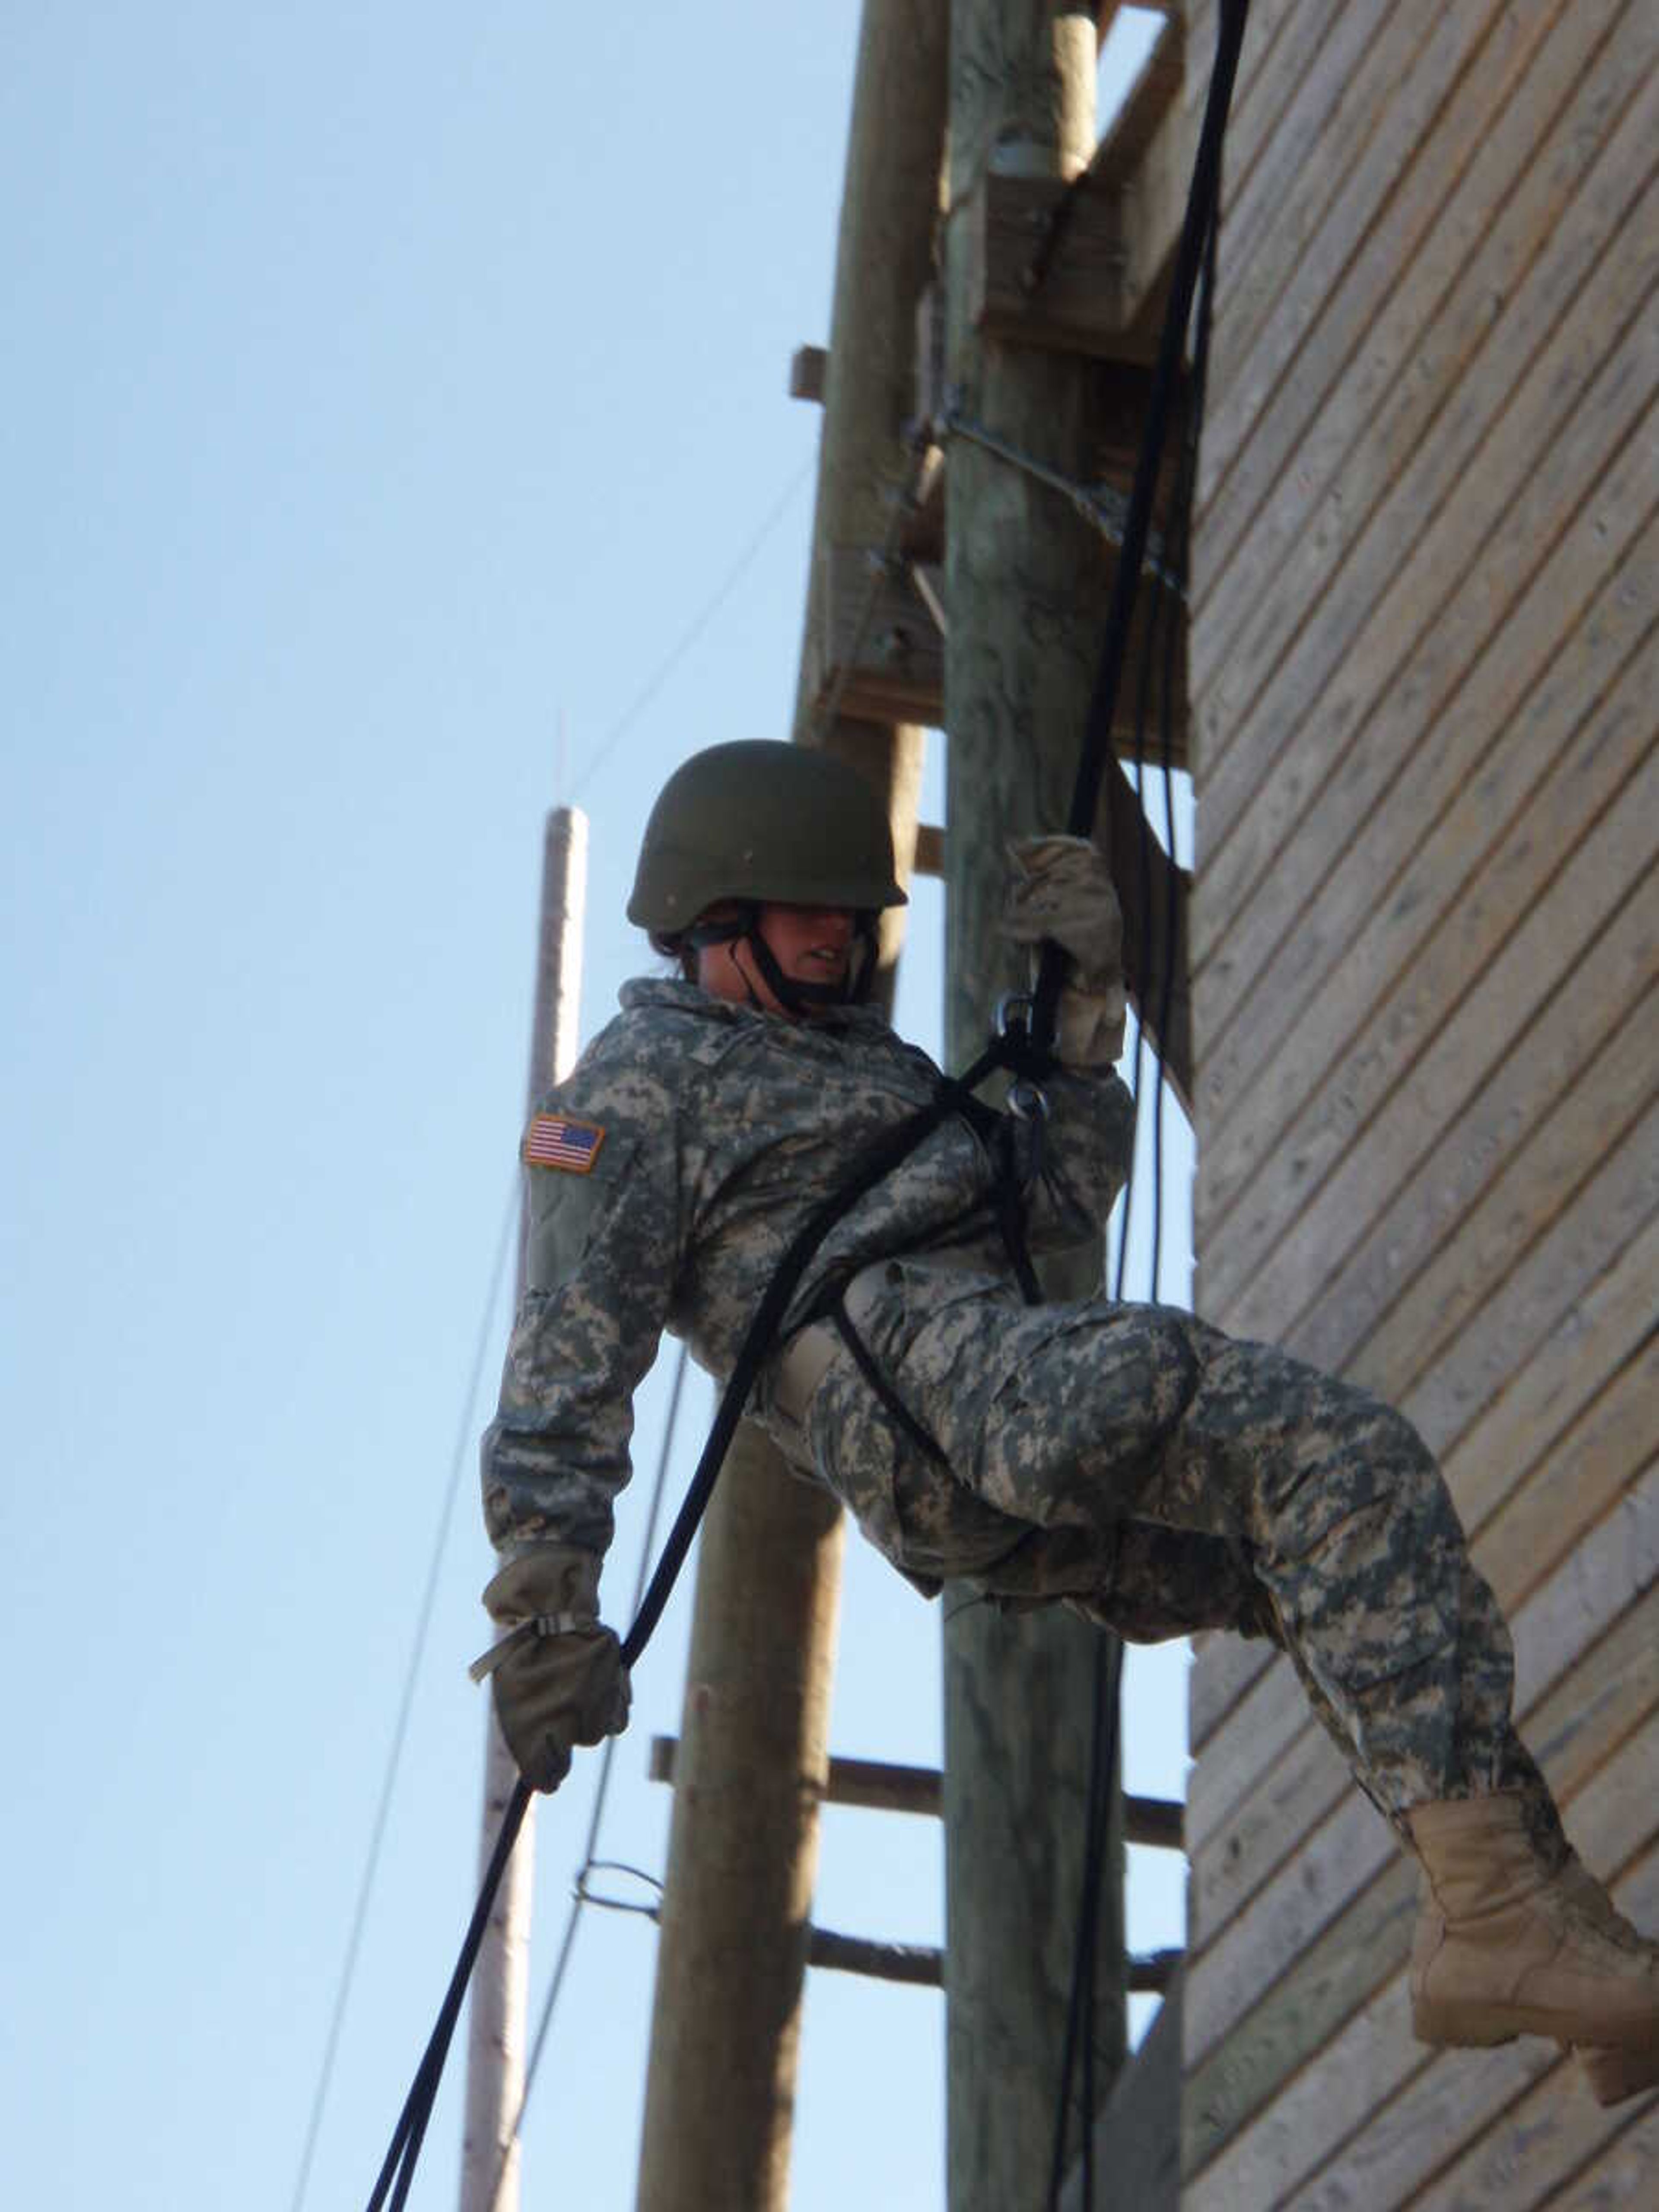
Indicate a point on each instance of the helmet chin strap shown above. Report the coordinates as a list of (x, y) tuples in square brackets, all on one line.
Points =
[(796, 998)]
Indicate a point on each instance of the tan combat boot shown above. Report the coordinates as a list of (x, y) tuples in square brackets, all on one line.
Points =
[(1506, 1946), (1613, 2075)]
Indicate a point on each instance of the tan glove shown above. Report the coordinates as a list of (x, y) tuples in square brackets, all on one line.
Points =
[(1061, 890), (558, 1677)]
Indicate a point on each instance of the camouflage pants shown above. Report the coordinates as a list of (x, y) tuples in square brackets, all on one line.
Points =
[(1163, 1478)]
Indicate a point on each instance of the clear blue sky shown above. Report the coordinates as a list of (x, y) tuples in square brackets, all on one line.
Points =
[(381, 384)]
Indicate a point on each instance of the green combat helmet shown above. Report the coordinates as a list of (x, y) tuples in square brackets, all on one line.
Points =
[(758, 822)]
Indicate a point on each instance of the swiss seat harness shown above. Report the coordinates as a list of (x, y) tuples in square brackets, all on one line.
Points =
[(1022, 1047)]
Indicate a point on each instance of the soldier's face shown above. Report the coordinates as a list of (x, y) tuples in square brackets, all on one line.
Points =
[(811, 944)]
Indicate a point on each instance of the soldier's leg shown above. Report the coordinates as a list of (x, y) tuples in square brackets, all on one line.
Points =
[(1349, 1526), (1145, 1414)]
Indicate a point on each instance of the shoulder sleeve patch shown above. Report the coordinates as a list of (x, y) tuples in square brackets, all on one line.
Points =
[(552, 1142)]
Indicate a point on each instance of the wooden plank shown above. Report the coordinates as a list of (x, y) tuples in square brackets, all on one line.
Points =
[(1574, 1483), (1299, 1790), (1534, 2148), (1563, 1135), (1591, 1591), (1452, 968), (1571, 1486), (1627, 2175), (1556, 386), (1300, 2015), (1425, 1053), (1386, 845), (1492, 175), (1375, 2056), (1290, 244), (1224, 1667), (1398, 469), (1156, 193), (1261, 61), (1333, 1865), (1607, 1325), (1321, 94), (1267, 1720), (1448, 1224), (1607, 1694), (1526, 1307), (1608, 1573), (1283, 42)]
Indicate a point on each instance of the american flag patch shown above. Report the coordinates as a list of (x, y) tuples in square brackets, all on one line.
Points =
[(551, 1142)]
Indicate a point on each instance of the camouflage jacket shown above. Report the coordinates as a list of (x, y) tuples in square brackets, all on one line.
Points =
[(723, 1129)]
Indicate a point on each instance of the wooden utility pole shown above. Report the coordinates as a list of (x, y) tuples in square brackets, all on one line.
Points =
[(1027, 585), (753, 1759), (496, 2036)]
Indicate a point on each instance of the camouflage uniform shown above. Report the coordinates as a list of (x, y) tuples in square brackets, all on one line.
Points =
[(1128, 1459)]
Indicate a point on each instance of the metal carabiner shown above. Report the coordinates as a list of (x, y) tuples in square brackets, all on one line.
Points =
[(1027, 1101)]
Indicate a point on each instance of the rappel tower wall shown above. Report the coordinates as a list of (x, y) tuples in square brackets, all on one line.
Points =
[(1423, 679)]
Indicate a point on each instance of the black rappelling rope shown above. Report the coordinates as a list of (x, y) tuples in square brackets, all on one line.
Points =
[(1195, 272), (1203, 199), (398, 2169)]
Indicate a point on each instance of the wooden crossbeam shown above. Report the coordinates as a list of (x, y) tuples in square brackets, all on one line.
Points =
[(922, 1965), (886, 1787)]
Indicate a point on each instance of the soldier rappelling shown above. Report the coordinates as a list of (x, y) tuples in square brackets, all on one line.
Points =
[(1128, 1461)]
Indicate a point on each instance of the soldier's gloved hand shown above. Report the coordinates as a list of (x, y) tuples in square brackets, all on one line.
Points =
[(1061, 890), (557, 1675)]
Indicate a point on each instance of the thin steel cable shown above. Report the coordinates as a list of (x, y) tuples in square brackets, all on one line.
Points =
[(694, 629), (400, 1730), (580, 1895)]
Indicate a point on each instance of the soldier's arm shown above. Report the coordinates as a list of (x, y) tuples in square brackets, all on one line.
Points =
[(600, 1265), (1083, 1158)]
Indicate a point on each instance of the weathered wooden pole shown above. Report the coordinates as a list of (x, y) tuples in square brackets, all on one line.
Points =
[(754, 1752), (495, 2034), (1027, 585)]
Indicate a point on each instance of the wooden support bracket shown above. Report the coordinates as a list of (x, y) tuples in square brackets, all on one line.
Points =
[(884, 656), (1095, 294), (809, 366), (1078, 305)]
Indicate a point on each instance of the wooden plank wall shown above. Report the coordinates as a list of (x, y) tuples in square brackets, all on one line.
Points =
[(1423, 674)]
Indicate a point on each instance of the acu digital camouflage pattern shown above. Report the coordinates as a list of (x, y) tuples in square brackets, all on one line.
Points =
[(1128, 1459)]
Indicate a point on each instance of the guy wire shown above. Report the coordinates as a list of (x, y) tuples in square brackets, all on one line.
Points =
[(400, 1730)]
